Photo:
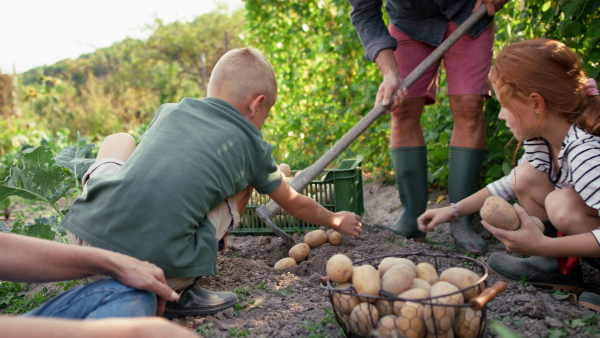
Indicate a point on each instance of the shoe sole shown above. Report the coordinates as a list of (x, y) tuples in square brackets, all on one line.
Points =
[(589, 305), (176, 313), (561, 287)]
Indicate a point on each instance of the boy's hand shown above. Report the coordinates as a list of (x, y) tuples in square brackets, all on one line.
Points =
[(434, 217), (348, 223)]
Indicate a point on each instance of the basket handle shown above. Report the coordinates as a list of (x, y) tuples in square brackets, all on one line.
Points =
[(487, 295)]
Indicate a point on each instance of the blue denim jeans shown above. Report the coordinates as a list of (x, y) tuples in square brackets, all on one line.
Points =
[(101, 299)]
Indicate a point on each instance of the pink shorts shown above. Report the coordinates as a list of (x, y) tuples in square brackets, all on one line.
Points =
[(467, 63)]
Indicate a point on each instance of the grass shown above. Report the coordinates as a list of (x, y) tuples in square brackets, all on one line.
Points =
[(283, 292), (15, 302), (318, 328)]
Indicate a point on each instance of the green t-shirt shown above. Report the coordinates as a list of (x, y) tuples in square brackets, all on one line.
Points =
[(194, 155)]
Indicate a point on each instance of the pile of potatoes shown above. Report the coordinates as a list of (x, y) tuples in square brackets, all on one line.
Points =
[(313, 239), (376, 301)]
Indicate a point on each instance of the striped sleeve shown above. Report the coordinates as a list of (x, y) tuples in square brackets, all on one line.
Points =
[(536, 153), (503, 187), (583, 157)]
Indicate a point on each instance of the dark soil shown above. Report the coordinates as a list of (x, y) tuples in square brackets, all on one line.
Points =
[(292, 303)]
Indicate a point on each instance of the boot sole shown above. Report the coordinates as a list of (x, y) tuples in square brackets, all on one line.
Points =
[(176, 313), (589, 305), (561, 287)]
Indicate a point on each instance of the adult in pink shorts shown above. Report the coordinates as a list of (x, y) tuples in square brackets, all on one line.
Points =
[(416, 28)]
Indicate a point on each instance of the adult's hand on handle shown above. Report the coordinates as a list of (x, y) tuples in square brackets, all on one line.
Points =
[(492, 6)]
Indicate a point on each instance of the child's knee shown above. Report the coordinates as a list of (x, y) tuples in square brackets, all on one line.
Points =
[(123, 139)]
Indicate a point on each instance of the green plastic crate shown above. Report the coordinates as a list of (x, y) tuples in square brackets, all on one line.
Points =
[(339, 189)]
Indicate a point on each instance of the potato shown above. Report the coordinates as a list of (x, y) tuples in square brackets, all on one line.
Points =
[(363, 319), (366, 281), (285, 263), (285, 169), (339, 268), (315, 238), (333, 237), (397, 279), (388, 262), (387, 326), (499, 213), (467, 323), (418, 283), (410, 321), (409, 294), (385, 307), (299, 252), (343, 302), (440, 319), (427, 272), (463, 278)]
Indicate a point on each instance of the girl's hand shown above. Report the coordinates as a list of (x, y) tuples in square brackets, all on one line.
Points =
[(349, 223), (434, 217)]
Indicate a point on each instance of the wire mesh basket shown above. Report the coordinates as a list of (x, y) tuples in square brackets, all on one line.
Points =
[(441, 311)]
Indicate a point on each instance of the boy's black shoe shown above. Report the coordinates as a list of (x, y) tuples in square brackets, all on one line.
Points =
[(590, 300), (543, 271), (195, 301)]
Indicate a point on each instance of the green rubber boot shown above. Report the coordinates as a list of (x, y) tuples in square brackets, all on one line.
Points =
[(410, 165), (463, 180)]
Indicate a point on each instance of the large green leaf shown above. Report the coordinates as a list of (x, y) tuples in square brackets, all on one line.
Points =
[(76, 158), (39, 230), (38, 178)]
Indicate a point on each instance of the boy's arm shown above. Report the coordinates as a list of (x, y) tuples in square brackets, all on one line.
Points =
[(307, 209), (147, 327), (28, 259)]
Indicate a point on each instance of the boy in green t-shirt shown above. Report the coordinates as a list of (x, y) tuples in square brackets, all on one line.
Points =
[(189, 179)]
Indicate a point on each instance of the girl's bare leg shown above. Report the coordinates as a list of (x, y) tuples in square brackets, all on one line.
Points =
[(569, 213), (532, 186)]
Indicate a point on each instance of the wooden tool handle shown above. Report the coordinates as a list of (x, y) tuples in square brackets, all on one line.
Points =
[(487, 295)]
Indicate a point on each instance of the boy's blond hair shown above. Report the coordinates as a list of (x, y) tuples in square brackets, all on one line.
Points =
[(242, 73)]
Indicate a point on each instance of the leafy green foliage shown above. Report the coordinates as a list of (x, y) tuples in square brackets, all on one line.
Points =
[(45, 178), (503, 331), (19, 303), (324, 85), (38, 178)]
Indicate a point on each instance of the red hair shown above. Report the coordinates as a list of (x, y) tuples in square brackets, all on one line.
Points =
[(552, 70)]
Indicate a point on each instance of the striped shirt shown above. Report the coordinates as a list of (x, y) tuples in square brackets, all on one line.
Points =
[(578, 164)]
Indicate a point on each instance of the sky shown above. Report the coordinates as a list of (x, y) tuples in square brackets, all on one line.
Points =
[(42, 32)]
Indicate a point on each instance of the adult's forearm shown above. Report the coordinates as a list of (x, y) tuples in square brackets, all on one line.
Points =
[(142, 327), (32, 327), (30, 259), (368, 22)]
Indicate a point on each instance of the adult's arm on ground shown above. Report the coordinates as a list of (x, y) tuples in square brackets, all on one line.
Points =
[(142, 327), (28, 259)]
